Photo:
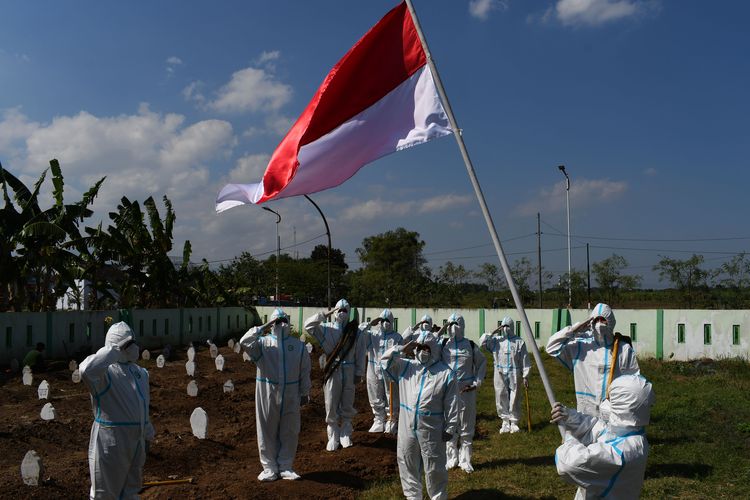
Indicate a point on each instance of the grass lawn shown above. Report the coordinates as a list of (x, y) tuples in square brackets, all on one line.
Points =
[(699, 437)]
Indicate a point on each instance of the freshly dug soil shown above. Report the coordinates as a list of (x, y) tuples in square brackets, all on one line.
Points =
[(225, 465)]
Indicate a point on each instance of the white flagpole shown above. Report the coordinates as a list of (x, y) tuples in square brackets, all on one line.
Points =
[(485, 211)]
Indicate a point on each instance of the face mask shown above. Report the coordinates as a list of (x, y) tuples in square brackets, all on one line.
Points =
[(423, 356), (342, 316), (385, 326), (278, 329), (600, 328), (605, 409), (131, 353), (425, 327), (453, 330), (505, 331)]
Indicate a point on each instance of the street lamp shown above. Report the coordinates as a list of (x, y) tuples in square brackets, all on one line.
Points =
[(328, 233), (278, 251), (567, 199)]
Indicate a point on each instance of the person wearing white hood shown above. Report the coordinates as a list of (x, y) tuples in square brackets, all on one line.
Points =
[(380, 388), (512, 364), (420, 332), (282, 384), (606, 457), (120, 400), (344, 366), (588, 349), (429, 416), (468, 364)]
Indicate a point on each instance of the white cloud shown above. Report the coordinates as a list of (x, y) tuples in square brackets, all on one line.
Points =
[(597, 12), (379, 208), (481, 8), (251, 89), (193, 92), (174, 61), (249, 168), (583, 192), (268, 56), (14, 129), (650, 172)]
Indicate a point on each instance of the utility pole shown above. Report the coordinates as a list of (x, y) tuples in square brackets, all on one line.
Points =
[(278, 252), (567, 199), (328, 233), (539, 254), (588, 276)]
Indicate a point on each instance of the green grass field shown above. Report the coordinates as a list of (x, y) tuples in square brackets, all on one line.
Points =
[(699, 437)]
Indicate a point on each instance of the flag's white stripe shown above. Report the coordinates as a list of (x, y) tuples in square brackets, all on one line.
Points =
[(410, 114)]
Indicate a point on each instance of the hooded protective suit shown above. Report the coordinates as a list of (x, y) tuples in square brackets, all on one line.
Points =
[(380, 385), (512, 364), (339, 388), (429, 412), (588, 354), (608, 459), (281, 381), (468, 364), (120, 400), (421, 332)]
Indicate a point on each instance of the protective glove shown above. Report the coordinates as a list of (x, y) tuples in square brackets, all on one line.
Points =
[(559, 414), (526, 382), (447, 436), (374, 322), (124, 344), (470, 387)]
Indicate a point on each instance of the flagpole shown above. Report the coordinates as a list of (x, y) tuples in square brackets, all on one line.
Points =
[(485, 210)]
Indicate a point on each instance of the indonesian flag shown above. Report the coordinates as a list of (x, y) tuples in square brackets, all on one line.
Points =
[(379, 98)]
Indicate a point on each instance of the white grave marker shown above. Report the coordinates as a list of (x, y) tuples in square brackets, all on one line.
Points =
[(146, 355), (246, 356), (28, 378), (48, 412), (160, 361), (199, 423), (191, 353), (31, 468), (190, 368), (228, 386), (213, 350), (76, 377), (231, 343), (237, 347), (219, 362), (26, 369), (309, 347), (43, 390), (72, 366), (192, 389), (14, 365)]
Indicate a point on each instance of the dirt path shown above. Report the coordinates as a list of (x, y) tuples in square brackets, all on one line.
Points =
[(224, 466)]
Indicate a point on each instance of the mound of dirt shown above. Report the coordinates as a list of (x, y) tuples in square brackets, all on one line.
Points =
[(223, 466)]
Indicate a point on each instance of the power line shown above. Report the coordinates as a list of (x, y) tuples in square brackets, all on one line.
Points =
[(270, 251), (478, 246)]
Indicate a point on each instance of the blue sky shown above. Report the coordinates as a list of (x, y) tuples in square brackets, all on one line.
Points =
[(644, 101)]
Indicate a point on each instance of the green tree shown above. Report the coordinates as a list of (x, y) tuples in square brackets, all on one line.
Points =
[(684, 275), (611, 279)]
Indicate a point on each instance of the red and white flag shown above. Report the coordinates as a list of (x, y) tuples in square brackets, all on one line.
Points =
[(379, 98)]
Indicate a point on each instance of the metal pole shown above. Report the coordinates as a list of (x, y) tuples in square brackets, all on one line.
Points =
[(328, 233), (567, 203), (588, 277), (278, 251), (539, 254), (486, 213)]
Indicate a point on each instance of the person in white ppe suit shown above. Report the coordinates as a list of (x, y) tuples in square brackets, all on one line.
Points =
[(282, 384), (421, 332), (429, 416), (120, 400), (380, 385), (512, 364), (468, 364), (346, 360), (606, 457), (587, 349)]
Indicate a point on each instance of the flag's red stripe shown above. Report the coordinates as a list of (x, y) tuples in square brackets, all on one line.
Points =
[(387, 55)]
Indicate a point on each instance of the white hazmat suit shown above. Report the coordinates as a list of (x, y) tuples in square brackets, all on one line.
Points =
[(607, 459), (468, 364), (421, 332), (381, 387), (512, 366), (429, 416), (339, 388), (120, 400), (585, 349), (282, 382)]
